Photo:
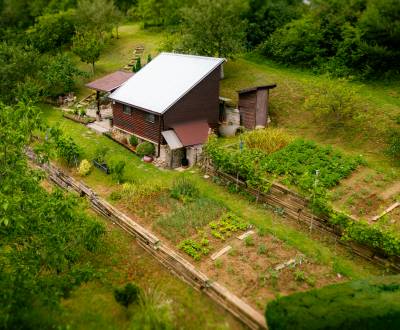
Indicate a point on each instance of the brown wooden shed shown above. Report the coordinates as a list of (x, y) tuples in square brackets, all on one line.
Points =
[(253, 106)]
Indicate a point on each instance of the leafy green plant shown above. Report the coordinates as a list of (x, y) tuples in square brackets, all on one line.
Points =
[(184, 189), (65, 146), (226, 225), (262, 249), (127, 295), (82, 112), (118, 170), (84, 167), (145, 149), (193, 248), (133, 140), (100, 154), (218, 263), (249, 241), (393, 142)]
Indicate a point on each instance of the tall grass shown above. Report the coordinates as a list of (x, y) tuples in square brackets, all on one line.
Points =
[(267, 140), (185, 219)]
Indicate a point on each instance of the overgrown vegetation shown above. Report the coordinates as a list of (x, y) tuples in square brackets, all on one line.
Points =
[(364, 304), (267, 140)]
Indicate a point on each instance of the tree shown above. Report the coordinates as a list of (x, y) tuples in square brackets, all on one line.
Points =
[(95, 16), (88, 47), (265, 16), (52, 31), (59, 75), (213, 28), (43, 236), (334, 100), (160, 13)]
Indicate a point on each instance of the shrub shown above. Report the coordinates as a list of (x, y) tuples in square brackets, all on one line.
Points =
[(84, 167), (65, 146), (117, 171), (184, 189), (145, 149), (364, 304), (100, 154), (267, 140), (133, 140), (82, 112), (127, 295), (334, 100)]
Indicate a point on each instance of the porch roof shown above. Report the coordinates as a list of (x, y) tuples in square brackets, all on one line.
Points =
[(110, 82)]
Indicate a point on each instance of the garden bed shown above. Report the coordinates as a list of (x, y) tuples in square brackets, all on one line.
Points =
[(79, 119), (125, 145)]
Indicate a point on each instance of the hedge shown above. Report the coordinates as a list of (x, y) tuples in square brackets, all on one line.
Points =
[(363, 304)]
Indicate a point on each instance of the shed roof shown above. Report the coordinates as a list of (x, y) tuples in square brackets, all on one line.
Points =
[(165, 80), (255, 88), (110, 82), (192, 133)]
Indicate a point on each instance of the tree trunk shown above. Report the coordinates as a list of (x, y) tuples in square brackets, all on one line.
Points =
[(93, 67)]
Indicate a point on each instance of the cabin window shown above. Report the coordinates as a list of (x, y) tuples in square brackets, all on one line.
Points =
[(150, 117), (127, 109)]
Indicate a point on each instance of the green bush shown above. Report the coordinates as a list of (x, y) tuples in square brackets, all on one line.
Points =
[(100, 154), (184, 189), (145, 149), (133, 140), (117, 171), (84, 167), (365, 304), (127, 295)]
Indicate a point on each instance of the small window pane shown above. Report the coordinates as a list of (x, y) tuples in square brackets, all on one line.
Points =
[(127, 109), (150, 117)]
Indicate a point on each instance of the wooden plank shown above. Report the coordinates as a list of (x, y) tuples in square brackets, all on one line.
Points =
[(386, 211), (246, 234), (221, 252)]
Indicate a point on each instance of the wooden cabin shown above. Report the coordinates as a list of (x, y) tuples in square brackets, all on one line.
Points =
[(173, 101), (253, 106)]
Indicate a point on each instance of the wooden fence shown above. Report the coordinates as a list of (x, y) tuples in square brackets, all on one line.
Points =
[(295, 207), (169, 258)]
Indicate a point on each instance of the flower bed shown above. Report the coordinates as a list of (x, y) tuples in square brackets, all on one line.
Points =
[(79, 119)]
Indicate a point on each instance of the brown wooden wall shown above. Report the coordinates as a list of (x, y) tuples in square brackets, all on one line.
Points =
[(247, 108), (202, 102), (136, 122)]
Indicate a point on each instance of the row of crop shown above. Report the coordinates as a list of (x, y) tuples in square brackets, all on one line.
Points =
[(296, 163)]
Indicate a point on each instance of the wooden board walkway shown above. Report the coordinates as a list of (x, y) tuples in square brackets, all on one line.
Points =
[(152, 244)]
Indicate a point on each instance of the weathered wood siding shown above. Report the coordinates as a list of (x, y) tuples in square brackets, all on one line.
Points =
[(202, 102), (247, 109), (136, 122)]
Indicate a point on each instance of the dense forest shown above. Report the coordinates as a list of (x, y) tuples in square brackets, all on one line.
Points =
[(40, 42)]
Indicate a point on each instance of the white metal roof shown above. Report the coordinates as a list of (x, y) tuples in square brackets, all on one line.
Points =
[(172, 139), (166, 79)]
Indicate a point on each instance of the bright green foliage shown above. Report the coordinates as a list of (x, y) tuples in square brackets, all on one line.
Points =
[(193, 248), (65, 146), (296, 164), (118, 170), (160, 13), (145, 149), (60, 74), (267, 140), (100, 154), (335, 101), (52, 31), (213, 28), (84, 167), (224, 227), (184, 189), (127, 295), (133, 140), (365, 304), (137, 66), (44, 237), (88, 46)]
